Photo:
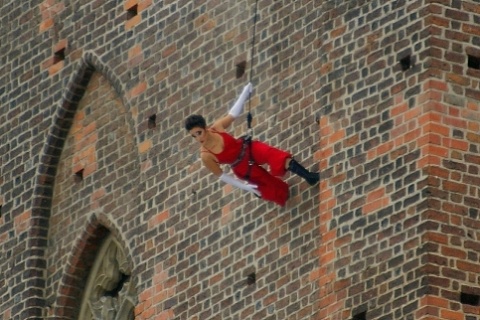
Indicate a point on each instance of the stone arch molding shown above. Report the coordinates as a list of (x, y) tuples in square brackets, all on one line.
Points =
[(70, 288)]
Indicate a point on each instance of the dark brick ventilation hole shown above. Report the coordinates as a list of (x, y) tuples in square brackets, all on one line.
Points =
[(1, 212), (473, 62), (251, 279), (406, 63), (470, 299), (59, 56), (240, 69), (132, 11), (360, 316), (152, 121), (78, 177)]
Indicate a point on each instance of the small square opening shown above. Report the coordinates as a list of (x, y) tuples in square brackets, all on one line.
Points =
[(59, 56), (406, 63), (474, 62), (132, 11), (152, 121), (78, 177), (360, 316), (470, 299), (240, 69), (251, 279)]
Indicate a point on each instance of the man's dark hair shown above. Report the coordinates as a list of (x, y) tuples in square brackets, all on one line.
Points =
[(195, 120)]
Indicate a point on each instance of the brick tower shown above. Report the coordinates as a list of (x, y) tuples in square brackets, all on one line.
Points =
[(107, 213), (400, 136)]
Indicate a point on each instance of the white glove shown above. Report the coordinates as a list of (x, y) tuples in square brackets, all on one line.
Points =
[(239, 184), (237, 108)]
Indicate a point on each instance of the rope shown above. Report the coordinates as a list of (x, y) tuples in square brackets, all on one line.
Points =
[(252, 55), (248, 137)]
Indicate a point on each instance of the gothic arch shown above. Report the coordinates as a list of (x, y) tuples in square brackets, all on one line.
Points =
[(45, 178)]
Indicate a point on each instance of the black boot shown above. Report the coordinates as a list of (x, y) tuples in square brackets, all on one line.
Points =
[(311, 177)]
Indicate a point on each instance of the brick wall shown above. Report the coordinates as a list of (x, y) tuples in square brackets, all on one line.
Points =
[(452, 238), (93, 99), (399, 202)]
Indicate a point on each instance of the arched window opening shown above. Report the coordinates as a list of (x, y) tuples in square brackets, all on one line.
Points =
[(109, 293)]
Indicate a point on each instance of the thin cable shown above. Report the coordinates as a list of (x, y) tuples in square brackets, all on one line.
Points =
[(252, 55), (253, 39)]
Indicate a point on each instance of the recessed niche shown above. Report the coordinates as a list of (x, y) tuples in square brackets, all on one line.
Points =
[(132, 11), (360, 316), (240, 69), (470, 299), (78, 176), (473, 62), (251, 279), (152, 121), (406, 63), (59, 56)]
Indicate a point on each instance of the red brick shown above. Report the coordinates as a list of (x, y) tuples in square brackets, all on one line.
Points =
[(471, 7), (132, 22), (397, 110), (168, 51), (439, 21), (454, 253), (157, 219), (338, 31), (143, 4), (138, 89), (134, 51), (458, 79), (467, 266), (46, 24), (471, 29), (451, 315), (455, 144), (55, 68)]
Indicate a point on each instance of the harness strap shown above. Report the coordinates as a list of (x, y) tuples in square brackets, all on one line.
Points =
[(247, 142), (240, 155)]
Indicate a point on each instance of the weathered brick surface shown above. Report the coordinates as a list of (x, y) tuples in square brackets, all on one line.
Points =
[(399, 157), (392, 231), (80, 159)]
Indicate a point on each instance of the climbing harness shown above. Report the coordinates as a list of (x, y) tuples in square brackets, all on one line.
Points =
[(241, 154)]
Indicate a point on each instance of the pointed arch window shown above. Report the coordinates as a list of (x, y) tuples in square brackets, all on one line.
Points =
[(109, 293)]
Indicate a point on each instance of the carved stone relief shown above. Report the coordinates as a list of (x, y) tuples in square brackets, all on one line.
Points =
[(110, 293)]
